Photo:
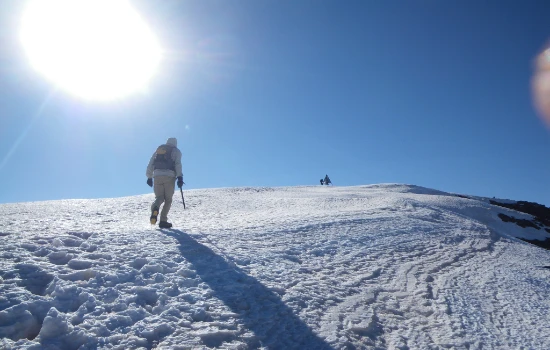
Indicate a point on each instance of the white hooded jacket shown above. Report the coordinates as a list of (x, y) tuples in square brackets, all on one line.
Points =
[(176, 157)]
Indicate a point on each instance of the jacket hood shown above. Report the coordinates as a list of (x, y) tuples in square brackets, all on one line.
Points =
[(172, 141)]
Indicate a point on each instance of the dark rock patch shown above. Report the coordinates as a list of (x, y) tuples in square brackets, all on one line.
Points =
[(541, 218), (462, 196), (540, 212), (520, 222), (543, 244)]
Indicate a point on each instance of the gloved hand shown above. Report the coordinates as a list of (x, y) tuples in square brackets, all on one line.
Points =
[(180, 181), (150, 182)]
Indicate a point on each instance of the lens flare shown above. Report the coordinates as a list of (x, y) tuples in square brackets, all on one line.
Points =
[(541, 85)]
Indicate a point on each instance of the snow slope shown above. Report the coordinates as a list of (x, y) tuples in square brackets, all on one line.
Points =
[(370, 267)]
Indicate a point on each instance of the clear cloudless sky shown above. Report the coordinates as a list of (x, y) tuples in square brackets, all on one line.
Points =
[(282, 92)]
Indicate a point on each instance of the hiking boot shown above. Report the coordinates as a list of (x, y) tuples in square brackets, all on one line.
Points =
[(165, 224), (154, 214)]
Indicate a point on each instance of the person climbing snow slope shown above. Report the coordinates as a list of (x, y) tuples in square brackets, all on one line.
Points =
[(162, 171)]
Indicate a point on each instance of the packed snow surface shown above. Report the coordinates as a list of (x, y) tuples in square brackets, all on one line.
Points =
[(368, 267)]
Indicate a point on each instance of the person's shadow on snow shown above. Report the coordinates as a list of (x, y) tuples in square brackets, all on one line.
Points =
[(274, 324)]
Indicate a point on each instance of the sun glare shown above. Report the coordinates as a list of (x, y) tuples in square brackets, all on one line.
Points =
[(95, 49)]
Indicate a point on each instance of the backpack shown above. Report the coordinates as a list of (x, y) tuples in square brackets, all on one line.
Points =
[(163, 158)]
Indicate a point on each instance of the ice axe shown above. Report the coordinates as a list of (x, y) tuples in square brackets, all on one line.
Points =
[(182, 199)]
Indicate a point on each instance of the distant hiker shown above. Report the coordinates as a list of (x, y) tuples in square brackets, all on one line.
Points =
[(327, 180), (322, 182), (164, 167)]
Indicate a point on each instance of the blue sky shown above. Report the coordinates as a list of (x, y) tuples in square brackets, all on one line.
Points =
[(280, 93)]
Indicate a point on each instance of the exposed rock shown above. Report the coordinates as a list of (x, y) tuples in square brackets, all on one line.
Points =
[(520, 222), (541, 218), (543, 244), (540, 212)]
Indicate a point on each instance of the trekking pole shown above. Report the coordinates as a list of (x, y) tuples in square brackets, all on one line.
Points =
[(182, 199)]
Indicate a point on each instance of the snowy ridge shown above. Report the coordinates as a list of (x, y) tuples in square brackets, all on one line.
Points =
[(385, 266)]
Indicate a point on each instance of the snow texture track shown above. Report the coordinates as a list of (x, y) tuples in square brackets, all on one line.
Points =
[(368, 267)]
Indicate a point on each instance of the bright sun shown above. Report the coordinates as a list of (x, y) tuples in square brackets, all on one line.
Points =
[(96, 49)]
